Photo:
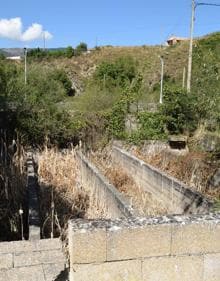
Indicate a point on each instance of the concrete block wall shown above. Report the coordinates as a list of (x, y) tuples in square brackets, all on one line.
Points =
[(146, 249), (175, 196), (102, 191), (39, 260)]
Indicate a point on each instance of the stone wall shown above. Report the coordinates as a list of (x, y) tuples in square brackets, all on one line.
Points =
[(173, 195), (149, 249), (101, 190), (39, 260)]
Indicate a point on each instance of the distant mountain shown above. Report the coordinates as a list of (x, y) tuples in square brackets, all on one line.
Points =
[(11, 52)]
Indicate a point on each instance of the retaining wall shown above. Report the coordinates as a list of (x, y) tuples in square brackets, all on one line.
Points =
[(173, 195), (101, 191), (40, 260), (149, 249)]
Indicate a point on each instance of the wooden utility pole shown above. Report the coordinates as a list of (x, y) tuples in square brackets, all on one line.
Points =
[(189, 74)]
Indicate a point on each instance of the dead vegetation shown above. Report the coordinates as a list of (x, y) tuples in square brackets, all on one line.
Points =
[(12, 190), (194, 169), (61, 196), (143, 202)]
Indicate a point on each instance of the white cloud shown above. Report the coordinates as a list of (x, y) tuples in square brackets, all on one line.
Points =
[(13, 29)]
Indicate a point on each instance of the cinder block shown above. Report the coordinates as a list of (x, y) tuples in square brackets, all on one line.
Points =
[(87, 246), (24, 246), (35, 258), (6, 247), (32, 273), (212, 267), (130, 243), (113, 271), (55, 271), (195, 238), (6, 261), (186, 268), (48, 244)]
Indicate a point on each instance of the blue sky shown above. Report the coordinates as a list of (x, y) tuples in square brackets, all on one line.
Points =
[(112, 22)]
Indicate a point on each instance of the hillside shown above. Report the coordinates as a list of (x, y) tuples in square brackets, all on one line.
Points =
[(114, 82), (206, 58)]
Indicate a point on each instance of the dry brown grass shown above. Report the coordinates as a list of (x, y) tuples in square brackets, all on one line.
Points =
[(194, 169), (143, 202), (12, 190), (62, 196)]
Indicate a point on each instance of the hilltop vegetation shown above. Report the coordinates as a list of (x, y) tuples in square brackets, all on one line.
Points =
[(110, 84)]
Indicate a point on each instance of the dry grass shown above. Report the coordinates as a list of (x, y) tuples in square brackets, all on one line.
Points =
[(12, 190), (62, 197), (194, 169), (141, 201)]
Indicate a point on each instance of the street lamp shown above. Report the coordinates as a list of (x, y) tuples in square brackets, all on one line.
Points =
[(25, 66), (161, 80)]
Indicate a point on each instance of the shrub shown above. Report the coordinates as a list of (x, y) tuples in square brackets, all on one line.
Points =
[(82, 47), (180, 110), (120, 72), (151, 126)]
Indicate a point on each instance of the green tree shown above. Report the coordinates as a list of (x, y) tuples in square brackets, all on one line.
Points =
[(81, 48), (120, 72), (69, 52), (61, 76)]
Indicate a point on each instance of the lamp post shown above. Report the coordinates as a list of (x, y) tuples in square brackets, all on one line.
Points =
[(25, 66), (161, 79)]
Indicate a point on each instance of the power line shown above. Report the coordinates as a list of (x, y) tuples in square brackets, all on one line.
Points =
[(206, 4)]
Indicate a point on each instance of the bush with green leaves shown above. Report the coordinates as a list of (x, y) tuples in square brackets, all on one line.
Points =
[(69, 52), (81, 48), (116, 120), (206, 78), (61, 76), (120, 72), (179, 110), (151, 126)]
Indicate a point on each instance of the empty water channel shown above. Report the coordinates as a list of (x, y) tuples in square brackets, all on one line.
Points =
[(106, 185), (149, 191), (64, 185)]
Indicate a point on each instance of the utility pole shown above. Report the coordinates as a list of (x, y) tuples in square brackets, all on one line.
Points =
[(25, 66), (44, 40), (189, 74), (161, 79)]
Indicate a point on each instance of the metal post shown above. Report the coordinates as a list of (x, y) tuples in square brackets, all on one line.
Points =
[(22, 227), (44, 38), (161, 80), (25, 66), (189, 74)]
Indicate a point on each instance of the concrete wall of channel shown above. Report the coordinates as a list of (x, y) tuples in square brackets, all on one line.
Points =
[(173, 195), (101, 191), (146, 249)]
